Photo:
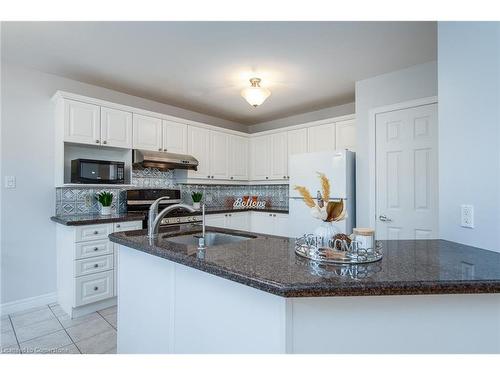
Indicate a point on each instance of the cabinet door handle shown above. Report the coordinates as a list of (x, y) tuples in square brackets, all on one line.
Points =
[(118, 225), (96, 248), (165, 149), (96, 141), (105, 142), (159, 149), (208, 176), (96, 288), (267, 178), (96, 265), (384, 218), (96, 232), (231, 177)]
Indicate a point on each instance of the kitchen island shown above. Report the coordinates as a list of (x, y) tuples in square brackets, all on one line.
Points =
[(257, 296)]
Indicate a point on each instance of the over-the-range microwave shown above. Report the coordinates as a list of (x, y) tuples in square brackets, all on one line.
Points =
[(87, 171)]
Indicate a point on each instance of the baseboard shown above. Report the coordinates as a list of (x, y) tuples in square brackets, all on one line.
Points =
[(27, 303)]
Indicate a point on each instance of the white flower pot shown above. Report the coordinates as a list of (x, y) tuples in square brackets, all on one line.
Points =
[(196, 205), (105, 210)]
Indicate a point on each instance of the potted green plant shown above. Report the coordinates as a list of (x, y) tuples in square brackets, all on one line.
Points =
[(105, 198), (196, 197)]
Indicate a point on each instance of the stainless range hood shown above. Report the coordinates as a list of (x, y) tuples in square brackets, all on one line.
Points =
[(163, 160)]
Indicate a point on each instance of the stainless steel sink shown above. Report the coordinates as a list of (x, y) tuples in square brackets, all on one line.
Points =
[(211, 239)]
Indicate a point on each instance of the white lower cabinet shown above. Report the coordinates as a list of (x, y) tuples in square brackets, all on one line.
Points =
[(251, 221), (87, 265), (233, 220), (269, 223)]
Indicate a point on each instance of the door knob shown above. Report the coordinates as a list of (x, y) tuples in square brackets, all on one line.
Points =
[(384, 218)]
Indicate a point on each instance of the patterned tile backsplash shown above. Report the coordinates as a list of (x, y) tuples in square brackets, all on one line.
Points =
[(82, 200), (223, 196)]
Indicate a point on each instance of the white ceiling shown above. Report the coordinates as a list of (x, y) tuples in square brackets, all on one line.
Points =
[(202, 66)]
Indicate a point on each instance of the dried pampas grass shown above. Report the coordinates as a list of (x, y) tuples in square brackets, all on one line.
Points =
[(308, 199), (325, 187)]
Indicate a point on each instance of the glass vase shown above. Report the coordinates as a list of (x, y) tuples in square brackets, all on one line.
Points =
[(326, 231)]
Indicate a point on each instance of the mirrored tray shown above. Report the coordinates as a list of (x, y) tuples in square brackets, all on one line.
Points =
[(313, 248)]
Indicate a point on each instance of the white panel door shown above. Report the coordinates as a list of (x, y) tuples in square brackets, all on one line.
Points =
[(297, 141), (345, 135), (281, 227), (321, 138), (279, 156), (116, 128), (260, 158), (199, 147), (238, 158), (219, 155), (147, 133), (174, 137), (407, 174), (82, 122)]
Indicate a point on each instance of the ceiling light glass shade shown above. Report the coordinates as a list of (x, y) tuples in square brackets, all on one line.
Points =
[(255, 95)]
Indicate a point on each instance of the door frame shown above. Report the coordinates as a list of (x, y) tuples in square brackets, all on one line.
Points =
[(372, 152)]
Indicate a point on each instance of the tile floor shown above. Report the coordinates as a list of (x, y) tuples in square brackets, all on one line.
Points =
[(49, 330)]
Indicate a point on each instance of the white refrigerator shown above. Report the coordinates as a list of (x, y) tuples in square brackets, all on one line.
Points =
[(339, 167)]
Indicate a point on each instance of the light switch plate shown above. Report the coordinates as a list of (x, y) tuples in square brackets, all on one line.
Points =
[(467, 216), (10, 182)]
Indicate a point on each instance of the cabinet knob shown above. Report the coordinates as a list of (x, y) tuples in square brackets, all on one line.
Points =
[(118, 225), (96, 265), (267, 178), (105, 142), (96, 288), (284, 177), (96, 248), (212, 176), (96, 232), (270, 214), (231, 177), (96, 141), (229, 214), (274, 215), (159, 149), (208, 176), (165, 149)]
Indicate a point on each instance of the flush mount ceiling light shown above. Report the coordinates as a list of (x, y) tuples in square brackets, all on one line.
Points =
[(255, 95)]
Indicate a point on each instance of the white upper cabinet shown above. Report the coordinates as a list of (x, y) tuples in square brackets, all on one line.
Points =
[(82, 122), (279, 156), (199, 147), (260, 157), (238, 158), (147, 134), (174, 137), (116, 128), (297, 141), (321, 138), (345, 135), (219, 155)]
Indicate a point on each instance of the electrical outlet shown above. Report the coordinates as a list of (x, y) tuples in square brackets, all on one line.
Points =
[(10, 182), (467, 216)]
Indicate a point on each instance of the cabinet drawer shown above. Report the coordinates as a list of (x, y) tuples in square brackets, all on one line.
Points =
[(93, 232), (127, 225), (93, 288), (93, 248), (93, 265)]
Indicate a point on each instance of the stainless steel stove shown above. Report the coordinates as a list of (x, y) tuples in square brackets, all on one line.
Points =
[(139, 200)]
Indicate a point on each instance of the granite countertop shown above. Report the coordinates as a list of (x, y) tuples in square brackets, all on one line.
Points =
[(87, 219), (270, 264)]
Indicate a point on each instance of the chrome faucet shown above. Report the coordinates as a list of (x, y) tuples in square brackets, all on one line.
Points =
[(154, 218)]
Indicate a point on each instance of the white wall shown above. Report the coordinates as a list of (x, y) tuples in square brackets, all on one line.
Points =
[(469, 130), (415, 82), (28, 236), (322, 114)]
